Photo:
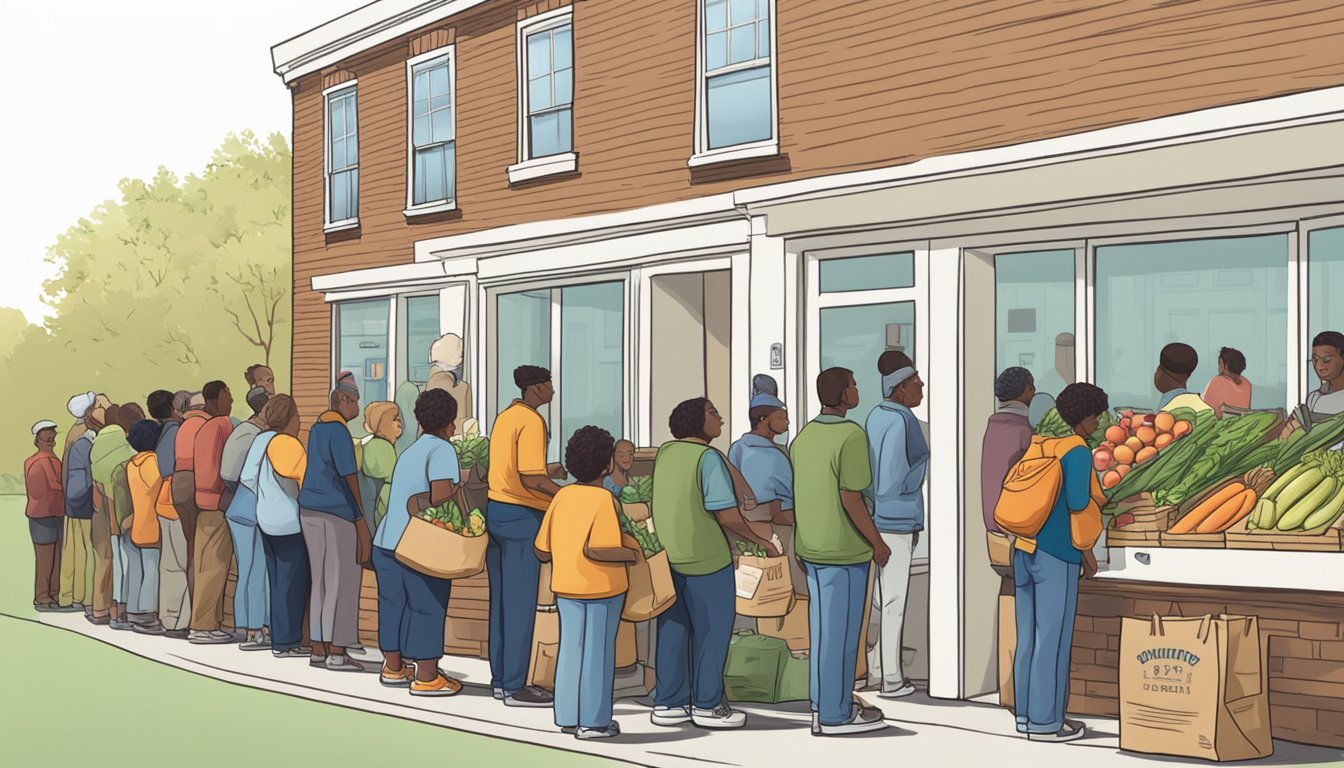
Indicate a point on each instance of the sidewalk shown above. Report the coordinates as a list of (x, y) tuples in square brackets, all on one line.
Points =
[(953, 733)]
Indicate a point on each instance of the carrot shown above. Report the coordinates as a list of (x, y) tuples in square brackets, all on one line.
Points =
[(1229, 513), (1207, 507)]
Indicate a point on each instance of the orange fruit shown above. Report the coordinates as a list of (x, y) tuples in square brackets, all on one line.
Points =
[(1146, 435), (1110, 479), (1164, 422), (1124, 455), (1182, 428), (1147, 454), (1123, 469), (1134, 444), (1163, 440), (1116, 434)]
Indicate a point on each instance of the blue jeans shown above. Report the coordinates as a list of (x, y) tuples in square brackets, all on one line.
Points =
[(693, 637), (141, 588), (514, 571), (834, 617), (288, 571), (586, 668), (1046, 602), (411, 608), (252, 595)]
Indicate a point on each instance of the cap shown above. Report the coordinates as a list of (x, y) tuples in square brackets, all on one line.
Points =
[(79, 405), (766, 401), (44, 424)]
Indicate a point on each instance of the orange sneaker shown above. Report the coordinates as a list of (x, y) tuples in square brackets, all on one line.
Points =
[(399, 679), (439, 686)]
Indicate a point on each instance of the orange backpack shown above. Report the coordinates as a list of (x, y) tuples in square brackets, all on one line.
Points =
[(1032, 488)]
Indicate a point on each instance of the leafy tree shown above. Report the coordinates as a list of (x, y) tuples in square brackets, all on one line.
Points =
[(172, 284)]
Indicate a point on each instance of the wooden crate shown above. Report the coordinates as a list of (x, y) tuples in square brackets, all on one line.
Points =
[(1197, 540), (1325, 539), (1146, 530)]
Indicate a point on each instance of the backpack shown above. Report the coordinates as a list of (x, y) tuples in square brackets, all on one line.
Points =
[(1033, 486)]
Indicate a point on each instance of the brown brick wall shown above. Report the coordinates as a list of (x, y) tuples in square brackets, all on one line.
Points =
[(1301, 632)]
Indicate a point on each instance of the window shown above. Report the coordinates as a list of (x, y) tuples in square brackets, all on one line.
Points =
[(1325, 308), (736, 103), (433, 133), (868, 273), (545, 97), (422, 330), (361, 348), (855, 337), (1228, 292), (590, 383), (1034, 304), (342, 158)]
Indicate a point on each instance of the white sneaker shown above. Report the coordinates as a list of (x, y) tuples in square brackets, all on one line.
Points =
[(905, 690), (610, 731), (720, 717), (199, 637), (343, 663), (670, 716), (865, 719), (1067, 733)]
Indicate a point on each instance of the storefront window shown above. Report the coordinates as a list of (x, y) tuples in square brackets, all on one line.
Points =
[(522, 337), (592, 348), (1229, 292), (868, 273), (1034, 300), (1325, 283), (422, 329), (854, 337), (361, 332)]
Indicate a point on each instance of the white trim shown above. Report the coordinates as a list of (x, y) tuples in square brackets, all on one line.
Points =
[(386, 278), (541, 167), (342, 225), (701, 153), (448, 203), (1229, 568), (1303, 299), (364, 28), (539, 23)]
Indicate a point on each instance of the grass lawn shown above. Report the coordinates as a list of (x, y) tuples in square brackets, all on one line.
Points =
[(69, 700)]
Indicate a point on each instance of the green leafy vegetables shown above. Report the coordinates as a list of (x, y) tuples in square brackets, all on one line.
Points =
[(638, 490), (647, 539)]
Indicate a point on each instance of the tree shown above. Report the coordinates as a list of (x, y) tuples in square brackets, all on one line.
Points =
[(173, 283)]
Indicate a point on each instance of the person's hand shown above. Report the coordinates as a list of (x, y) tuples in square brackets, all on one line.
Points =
[(363, 543), (556, 472), (881, 554), (748, 502), (776, 544), (1089, 569)]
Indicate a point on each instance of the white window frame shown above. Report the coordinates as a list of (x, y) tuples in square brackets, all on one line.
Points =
[(1300, 271), (703, 155), (328, 225), (529, 168), (402, 331), (449, 203)]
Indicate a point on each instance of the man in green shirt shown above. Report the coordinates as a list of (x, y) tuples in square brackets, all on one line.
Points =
[(836, 539), (693, 504)]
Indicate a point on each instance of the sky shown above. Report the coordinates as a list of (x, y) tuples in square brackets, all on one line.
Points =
[(95, 92)]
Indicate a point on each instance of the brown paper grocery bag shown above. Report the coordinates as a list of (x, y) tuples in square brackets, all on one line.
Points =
[(545, 649), (1194, 687), (651, 591), (764, 586)]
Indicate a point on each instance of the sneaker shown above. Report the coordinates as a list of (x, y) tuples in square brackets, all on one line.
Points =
[(120, 625), (68, 608), (46, 607), (865, 719), (177, 634), (600, 733), (569, 729), (905, 690), (198, 637), (98, 621), (439, 686), (290, 653), (316, 661), (531, 696), (258, 641), (670, 716), (343, 663), (154, 628), (356, 649), (1067, 733), (399, 679), (498, 693), (720, 717), (816, 724)]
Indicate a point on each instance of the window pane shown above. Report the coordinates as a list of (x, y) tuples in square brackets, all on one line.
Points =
[(854, 337), (420, 133), (565, 126), (351, 149), (336, 119), (440, 102), (563, 48), (337, 154), (448, 155), (422, 329), (1325, 279), (743, 46), (867, 273), (716, 51), (1209, 294), (591, 343), (420, 82), (442, 125), (564, 86), (538, 54), (361, 348), (544, 131), (522, 337), (353, 175), (763, 39), (1034, 304), (350, 115), (739, 108), (539, 93), (433, 174), (438, 81), (743, 11), (420, 196), (340, 196), (716, 15)]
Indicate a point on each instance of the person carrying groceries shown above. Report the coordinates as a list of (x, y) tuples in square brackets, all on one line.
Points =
[(695, 508), (412, 605), (581, 537)]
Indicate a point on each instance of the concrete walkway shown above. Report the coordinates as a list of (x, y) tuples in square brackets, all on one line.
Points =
[(950, 733)]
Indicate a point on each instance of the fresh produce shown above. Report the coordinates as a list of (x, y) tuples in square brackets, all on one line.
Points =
[(1132, 440), (639, 490), (1229, 513), (1296, 516), (1053, 425), (449, 517), (1228, 505), (1308, 496), (646, 538), (1219, 451), (751, 549), (1324, 435), (1231, 492), (472, 450)]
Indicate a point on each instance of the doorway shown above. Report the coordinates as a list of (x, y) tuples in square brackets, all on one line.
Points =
[(690, 347)]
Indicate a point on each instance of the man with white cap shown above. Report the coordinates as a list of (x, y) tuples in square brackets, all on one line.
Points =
[(77, 547), (46, 515), (765, 468)]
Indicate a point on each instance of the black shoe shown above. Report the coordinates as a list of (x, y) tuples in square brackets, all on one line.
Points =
[(46, 607), (148, 629), (177, 634), (531, 696)]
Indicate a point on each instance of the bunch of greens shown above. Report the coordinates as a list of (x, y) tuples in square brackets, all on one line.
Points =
[(1299, 443), (751, 549), (639, 490), (1053, 425), (1171, 461), (472, 451), (1222, 449), (450, 518), (647, 540)]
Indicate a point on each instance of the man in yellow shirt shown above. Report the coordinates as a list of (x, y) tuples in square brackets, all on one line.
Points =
[(521, 488), (581, 536)]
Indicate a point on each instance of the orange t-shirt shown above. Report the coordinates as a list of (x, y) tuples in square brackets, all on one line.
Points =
[(518, 447), (582, 516), (146, 485), (1223, 391)]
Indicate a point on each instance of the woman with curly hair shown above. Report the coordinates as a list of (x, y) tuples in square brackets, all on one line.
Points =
[(694, 507), (411, 605), (1045, 574)]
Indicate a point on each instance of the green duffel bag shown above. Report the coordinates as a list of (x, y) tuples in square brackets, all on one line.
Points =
[(796, 680), (755, 665)]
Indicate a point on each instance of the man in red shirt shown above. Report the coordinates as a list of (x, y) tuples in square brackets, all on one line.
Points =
[(212, 550), (46, 515), (183, 483)]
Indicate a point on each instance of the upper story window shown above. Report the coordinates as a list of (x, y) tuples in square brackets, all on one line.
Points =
[(545, 96), (433, 145), (735, 102), (342, 157)]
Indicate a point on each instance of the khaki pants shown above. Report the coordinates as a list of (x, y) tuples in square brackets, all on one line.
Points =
[(100, 531), (174, 595), (211, 558), (76, 563), (183, 492)]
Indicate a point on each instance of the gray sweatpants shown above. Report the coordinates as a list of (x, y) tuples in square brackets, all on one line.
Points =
[(333, 609)]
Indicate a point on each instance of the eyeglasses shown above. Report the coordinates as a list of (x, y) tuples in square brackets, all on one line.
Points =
[(1320, 360)]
